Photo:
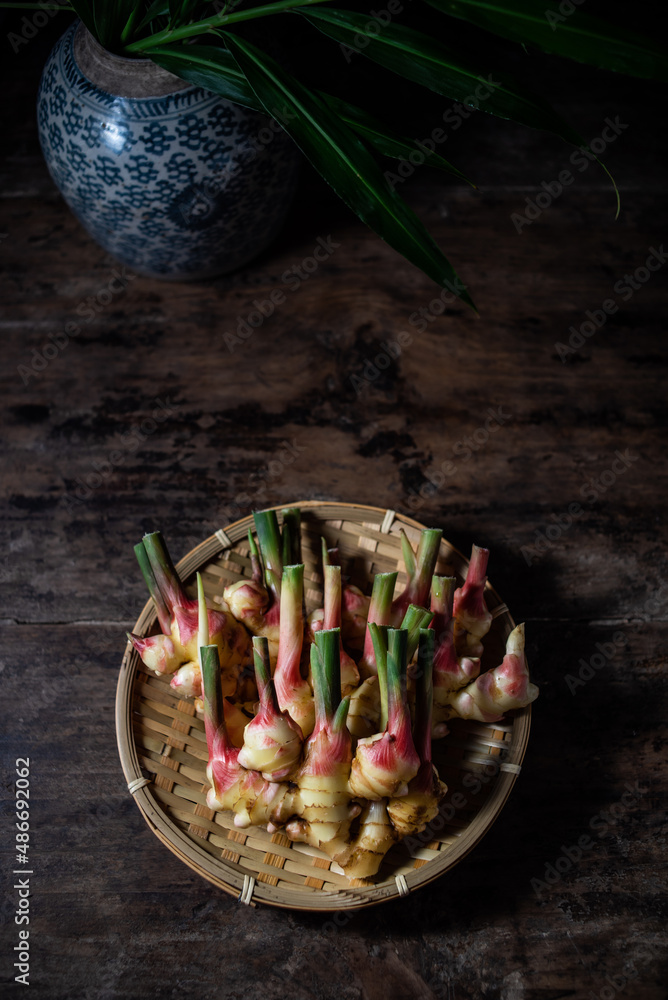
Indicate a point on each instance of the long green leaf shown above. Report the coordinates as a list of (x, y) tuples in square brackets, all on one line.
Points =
[(198, 28), (182, 11), (386, 141), (83, 10), (158, 9), (215, 69), (110, 18), (344, 162), (426, 61), (576, 35), (210, 67)]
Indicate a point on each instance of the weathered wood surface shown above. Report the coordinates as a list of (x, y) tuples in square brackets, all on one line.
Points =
[(115, 914)]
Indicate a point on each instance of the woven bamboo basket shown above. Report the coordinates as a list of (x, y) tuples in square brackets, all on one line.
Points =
[(163, 750)]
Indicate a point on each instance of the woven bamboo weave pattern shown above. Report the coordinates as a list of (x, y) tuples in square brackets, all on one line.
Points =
[(160, 738)]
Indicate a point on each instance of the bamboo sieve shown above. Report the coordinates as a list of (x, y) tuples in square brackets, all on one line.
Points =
[(163, 750)]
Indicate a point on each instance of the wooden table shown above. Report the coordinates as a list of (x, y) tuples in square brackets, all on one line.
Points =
[(565, 482)]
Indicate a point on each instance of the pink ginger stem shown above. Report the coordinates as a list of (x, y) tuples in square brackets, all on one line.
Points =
[(257, 572), (164, 617), (287, 675), (420, 570), (269, 539), (422, 723), (329, 744), (445, 655), (398, 714), (332, 597), (424, 695), (469, 599), (329, 556), (225, 769), (165, 572), (265, 685), (379, 614)]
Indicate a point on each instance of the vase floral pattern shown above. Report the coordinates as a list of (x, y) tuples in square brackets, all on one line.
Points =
[(185, 185)]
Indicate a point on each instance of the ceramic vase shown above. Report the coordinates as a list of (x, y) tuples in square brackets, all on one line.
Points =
[(174, 181)]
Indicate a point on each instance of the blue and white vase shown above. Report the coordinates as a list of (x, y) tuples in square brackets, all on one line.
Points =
[(172, 180)]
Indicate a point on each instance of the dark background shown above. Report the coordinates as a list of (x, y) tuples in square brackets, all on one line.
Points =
[(113, 913)]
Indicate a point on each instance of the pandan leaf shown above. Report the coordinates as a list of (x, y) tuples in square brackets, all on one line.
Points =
[(158, 9), (385, 140), (574, 34), (110, 19), (344, 162), (428, 62), (216, 70), (82, 9), (217, 20), (182, 11), (210, 67)]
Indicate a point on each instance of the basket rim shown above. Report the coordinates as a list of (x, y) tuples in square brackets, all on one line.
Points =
[(221, 872)]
